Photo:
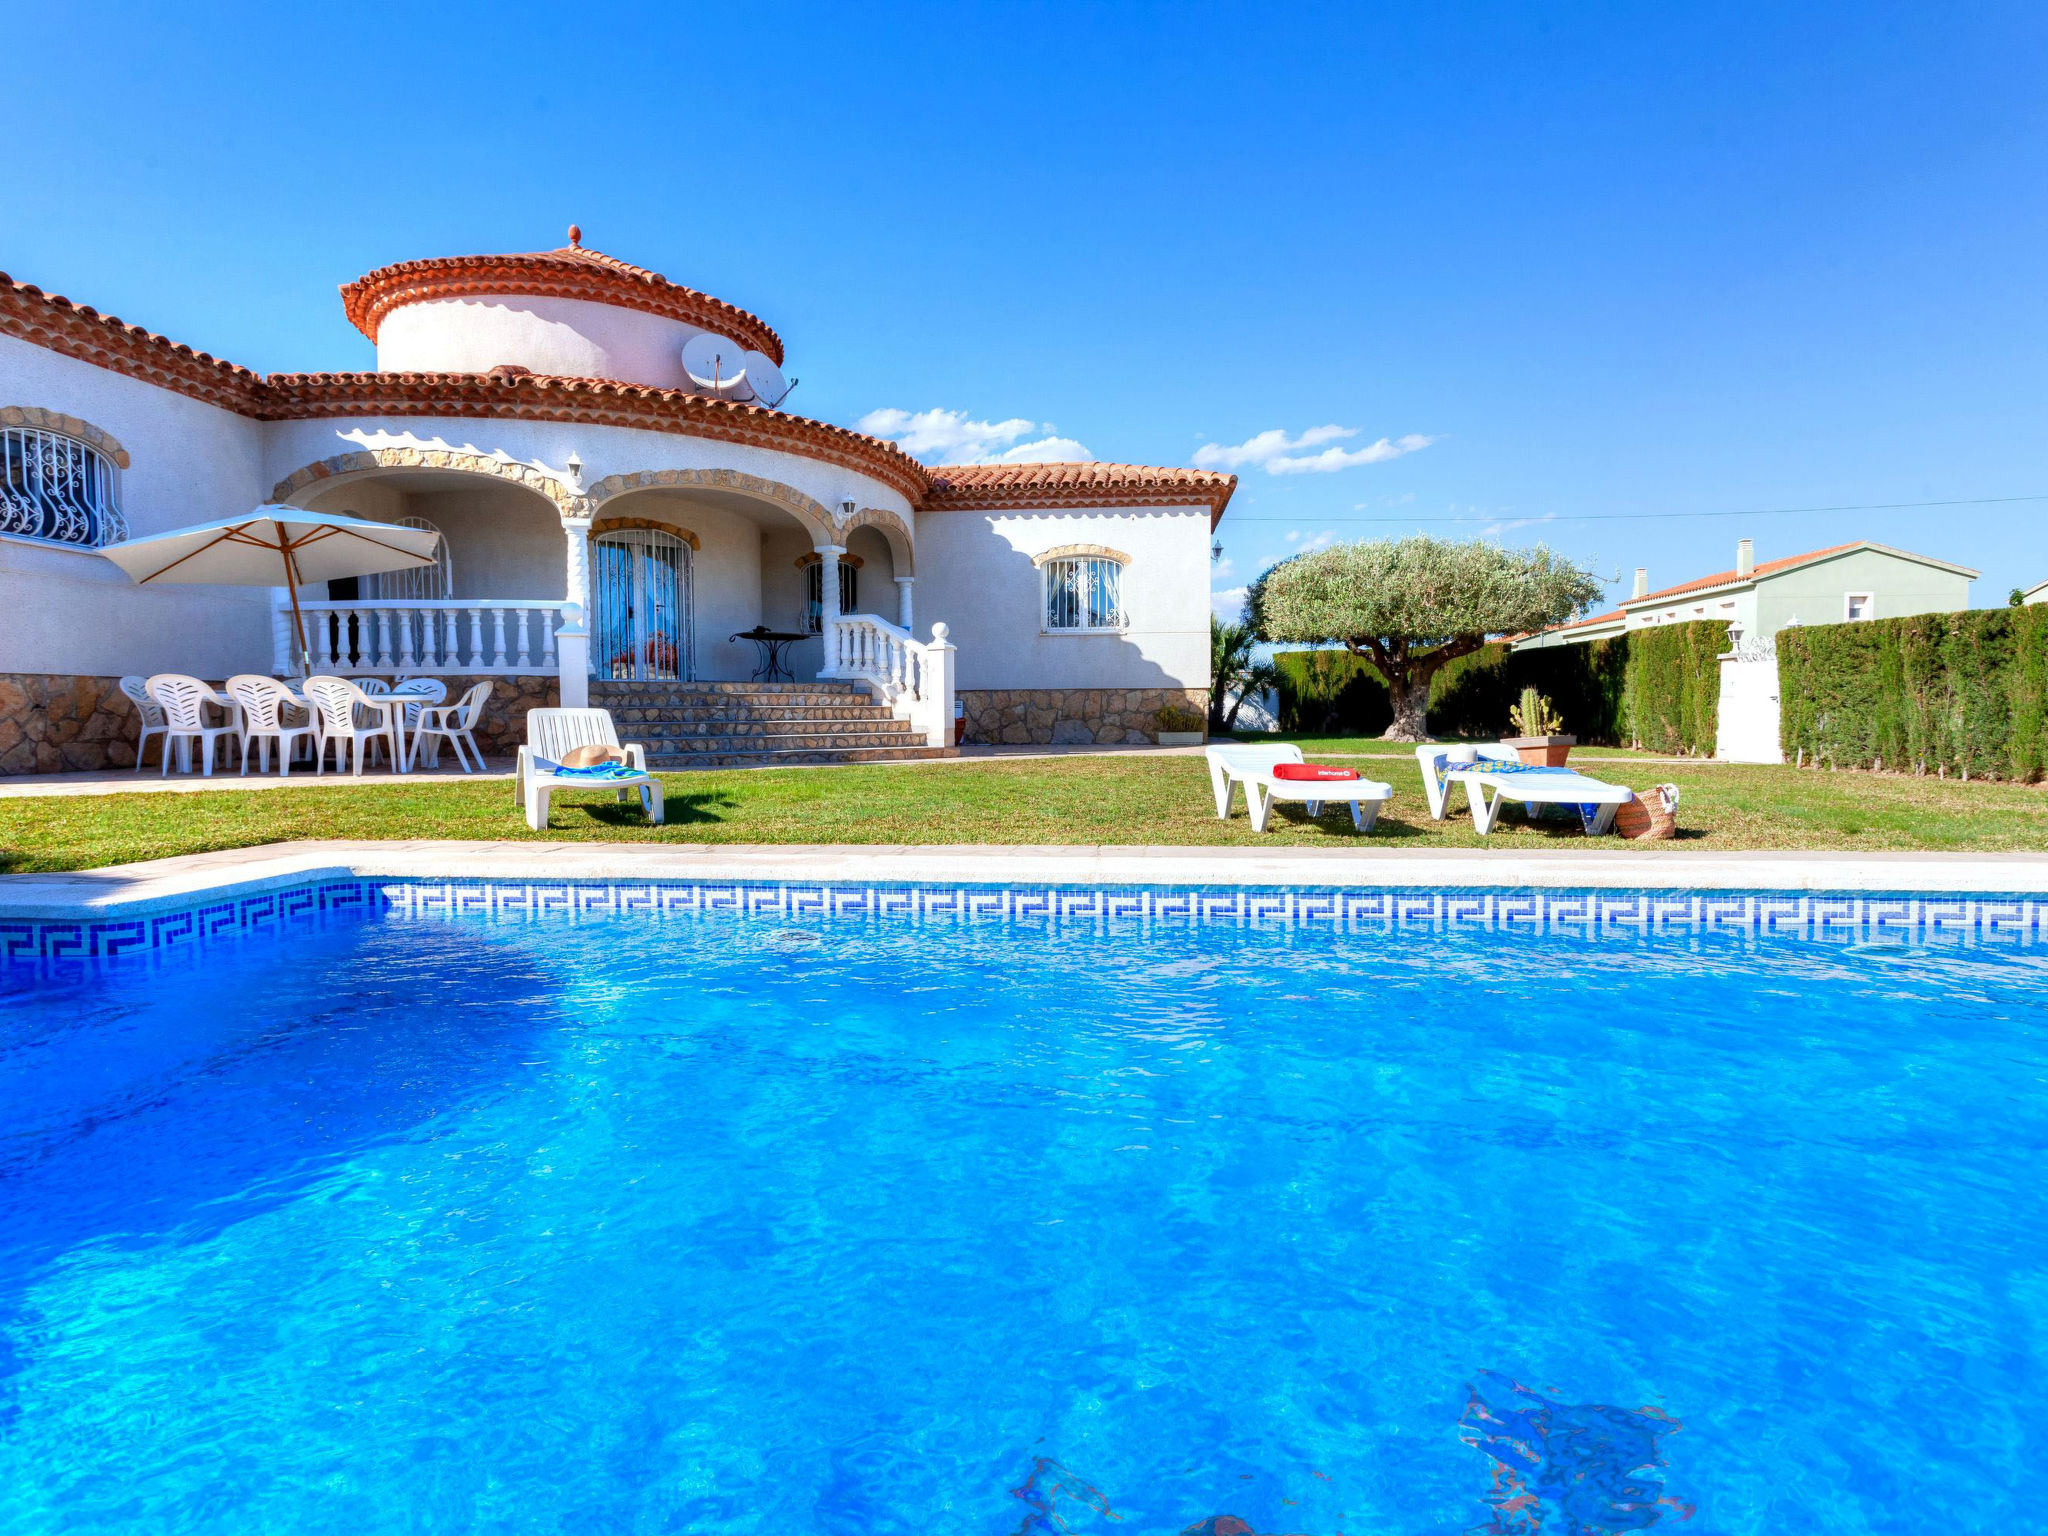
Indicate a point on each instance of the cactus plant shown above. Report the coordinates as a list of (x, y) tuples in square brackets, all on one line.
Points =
[(1535, 715)]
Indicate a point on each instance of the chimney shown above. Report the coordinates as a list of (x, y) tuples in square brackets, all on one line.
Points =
[(1745, 556), (1642, 582)]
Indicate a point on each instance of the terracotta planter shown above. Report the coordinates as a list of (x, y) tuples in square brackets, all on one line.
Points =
[(1542, 751)]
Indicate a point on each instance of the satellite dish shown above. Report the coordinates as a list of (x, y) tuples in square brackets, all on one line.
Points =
[(765, 379), (717, 365)]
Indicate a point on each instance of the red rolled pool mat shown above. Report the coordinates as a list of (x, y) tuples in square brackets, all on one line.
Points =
[(1315, 773)]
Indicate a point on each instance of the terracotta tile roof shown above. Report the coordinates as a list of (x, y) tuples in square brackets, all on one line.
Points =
[(1726, 578), (75, 330), (1023, 486), (570, 272), (602, 402)]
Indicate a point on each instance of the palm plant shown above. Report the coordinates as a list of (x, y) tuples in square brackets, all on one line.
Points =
[(1234, 669)]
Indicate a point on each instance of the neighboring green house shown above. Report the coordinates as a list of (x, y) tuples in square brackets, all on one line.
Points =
[(1827, 586)]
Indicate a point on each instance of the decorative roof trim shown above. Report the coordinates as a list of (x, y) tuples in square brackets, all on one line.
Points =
[(34, 416), (568, 273), (74, 330), (1080, 552), (1025, 487), (599, 402)]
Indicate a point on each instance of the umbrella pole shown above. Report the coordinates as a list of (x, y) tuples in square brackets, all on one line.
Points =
[(291, 578)]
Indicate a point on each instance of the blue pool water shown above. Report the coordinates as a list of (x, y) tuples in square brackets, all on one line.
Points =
[(708, 1223)]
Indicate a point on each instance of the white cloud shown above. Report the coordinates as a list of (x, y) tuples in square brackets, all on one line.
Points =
[(1228, 604), (952, 437), (1278, 454), (1220, 568), (1321, 539)]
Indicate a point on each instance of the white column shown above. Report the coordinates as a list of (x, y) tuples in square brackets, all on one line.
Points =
[(572, 658), (904, 612), (828, 597), (938, 687), (577, 587)]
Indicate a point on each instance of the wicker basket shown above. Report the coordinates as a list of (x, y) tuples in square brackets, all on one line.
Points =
[(1651, 817)]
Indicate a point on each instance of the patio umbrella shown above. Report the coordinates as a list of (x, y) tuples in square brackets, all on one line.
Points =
[(275, 544)]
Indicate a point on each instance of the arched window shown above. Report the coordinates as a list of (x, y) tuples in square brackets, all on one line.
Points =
[(417, 583), (1084, 591), (814, 591), (57, 488)]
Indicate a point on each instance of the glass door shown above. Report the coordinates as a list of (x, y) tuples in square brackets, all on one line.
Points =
[(641, 578)]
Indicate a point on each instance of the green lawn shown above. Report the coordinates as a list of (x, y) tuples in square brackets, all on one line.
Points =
[(1107, 799)]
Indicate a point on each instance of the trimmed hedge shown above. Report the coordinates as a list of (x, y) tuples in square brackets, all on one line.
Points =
[(1657, 687), (1673, 691), (1472, 695), (1963, 692)]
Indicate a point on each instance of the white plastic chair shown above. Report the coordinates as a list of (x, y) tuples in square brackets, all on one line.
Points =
[(152, 713), (184, 700), (263, 701), (455, 723), (1497, 775), (551, 734), (1253, 765), (343, 709)]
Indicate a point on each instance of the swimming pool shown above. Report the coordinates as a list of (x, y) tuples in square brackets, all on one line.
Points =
[(595, 1208)]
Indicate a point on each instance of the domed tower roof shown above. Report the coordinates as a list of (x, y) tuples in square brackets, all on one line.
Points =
[(571, 272)]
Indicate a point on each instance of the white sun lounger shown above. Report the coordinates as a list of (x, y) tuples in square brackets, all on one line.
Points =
[(550, 735), (1252, 766), (1500, 775)]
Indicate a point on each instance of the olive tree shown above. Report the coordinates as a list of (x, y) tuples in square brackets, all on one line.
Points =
[(1410, 605)]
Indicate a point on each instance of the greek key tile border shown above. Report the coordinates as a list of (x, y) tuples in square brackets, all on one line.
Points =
[(2012, 920)]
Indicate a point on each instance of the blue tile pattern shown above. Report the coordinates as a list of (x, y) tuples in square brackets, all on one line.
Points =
[(1849, 918)]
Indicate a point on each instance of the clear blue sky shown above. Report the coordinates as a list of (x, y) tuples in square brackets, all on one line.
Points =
[(1604, 259)]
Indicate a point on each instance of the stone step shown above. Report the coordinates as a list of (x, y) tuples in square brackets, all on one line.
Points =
[(781, 741), (797, 757), (608, 689), (651, 731), (744, 725), (691, 714)]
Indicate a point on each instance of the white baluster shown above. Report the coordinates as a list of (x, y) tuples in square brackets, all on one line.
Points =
[(548, 616), (405, 626), (383, 640), (451, 653), (498, 639), (476, 639), (525, 645)]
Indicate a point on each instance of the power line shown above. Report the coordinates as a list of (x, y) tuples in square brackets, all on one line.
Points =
[(1609, 517)]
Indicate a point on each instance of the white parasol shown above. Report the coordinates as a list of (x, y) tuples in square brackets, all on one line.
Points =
[(271, 543)]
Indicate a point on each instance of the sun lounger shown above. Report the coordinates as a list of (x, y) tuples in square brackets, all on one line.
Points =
[(1253, 766), (551, 735), (1498, 775)]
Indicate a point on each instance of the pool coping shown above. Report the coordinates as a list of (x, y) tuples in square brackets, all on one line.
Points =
[(161, 884)]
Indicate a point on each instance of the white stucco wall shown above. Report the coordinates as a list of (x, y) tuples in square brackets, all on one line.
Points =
[(975, 573), (73, 612), (575, 338)]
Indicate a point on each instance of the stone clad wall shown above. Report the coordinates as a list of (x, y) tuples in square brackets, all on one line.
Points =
[(54, 724), (1071, 716)]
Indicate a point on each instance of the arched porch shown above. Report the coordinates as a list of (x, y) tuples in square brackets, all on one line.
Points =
[(728, 552)]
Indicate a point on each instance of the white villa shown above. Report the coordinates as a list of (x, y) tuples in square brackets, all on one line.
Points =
[(573, 427)]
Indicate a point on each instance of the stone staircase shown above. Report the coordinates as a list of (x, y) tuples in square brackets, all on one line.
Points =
[(758, 725)]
